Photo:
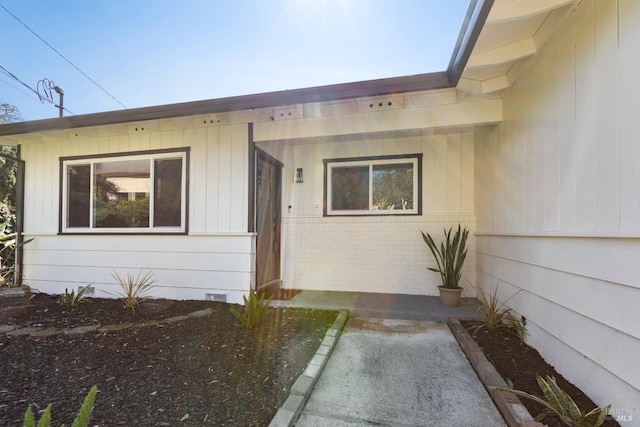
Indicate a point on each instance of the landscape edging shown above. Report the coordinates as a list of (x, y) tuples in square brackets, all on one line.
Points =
[(513, 411), (288, 414)]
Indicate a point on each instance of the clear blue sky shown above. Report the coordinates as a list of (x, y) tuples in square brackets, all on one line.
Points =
[(164, 51)]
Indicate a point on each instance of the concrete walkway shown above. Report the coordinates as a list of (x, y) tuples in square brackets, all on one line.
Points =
[(398, 373), (396, 364)]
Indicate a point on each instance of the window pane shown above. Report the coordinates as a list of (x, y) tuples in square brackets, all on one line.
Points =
[(393, 186), (167, 193), (121, 194), (350, 188), (78, 195)]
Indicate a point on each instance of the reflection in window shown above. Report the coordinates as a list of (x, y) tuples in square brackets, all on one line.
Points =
[(167, 192), (393, 186), (121, 194), (353, 185), (78, 190)]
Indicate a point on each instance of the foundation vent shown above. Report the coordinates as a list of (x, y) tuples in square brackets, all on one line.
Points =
[(216, 297), (91, 291)]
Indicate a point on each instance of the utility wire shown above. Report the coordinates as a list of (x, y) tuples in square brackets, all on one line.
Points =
[(19, 90), (41, 98), (62, 56)]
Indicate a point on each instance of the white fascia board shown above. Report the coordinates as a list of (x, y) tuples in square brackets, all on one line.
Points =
[(453, 115)]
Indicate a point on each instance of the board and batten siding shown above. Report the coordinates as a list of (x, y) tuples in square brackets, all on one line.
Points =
[(217, 255), (384, 254), (558, 202)]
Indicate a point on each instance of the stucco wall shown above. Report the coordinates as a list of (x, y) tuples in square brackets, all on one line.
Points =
[(216, 257), (557, 202), (375, 254)]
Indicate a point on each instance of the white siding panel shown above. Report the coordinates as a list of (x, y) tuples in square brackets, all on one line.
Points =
[(606, 111), (184, 266), (224, 179), (454, 168), (239, 179), (210, 185), (629, 105), (440, 175), (553, 298), (198, 183), (574, 109), (585, 106)]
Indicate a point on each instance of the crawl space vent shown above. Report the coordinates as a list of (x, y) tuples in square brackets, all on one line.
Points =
[(91, 291), (216, 297)]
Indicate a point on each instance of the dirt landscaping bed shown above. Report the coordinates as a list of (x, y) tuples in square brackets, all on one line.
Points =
[(199, 371), (518, 364)]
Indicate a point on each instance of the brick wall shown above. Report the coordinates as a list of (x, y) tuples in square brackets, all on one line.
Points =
[(368, 254)]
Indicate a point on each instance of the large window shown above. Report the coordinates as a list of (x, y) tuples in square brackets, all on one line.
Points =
[(125, 193), (388, 185)]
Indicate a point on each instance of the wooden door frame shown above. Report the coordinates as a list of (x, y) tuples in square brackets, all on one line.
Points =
[(256, 154)]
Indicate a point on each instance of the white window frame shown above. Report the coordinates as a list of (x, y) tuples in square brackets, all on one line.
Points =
[(414, 159), (151, 156)]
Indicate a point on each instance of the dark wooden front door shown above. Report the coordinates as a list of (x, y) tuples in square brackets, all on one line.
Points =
[(268, 214)]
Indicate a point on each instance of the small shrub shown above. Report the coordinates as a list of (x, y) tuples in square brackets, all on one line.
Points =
[(82, 419), (254, 310), (557, 402), (71, 299), (135, 289), (493, 316)]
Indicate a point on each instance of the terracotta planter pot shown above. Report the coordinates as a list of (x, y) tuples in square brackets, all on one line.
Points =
[(450, 297)]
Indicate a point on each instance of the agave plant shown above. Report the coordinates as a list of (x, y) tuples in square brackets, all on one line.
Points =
[(135, 289), (493, 316), (559, 403), (450, 256)]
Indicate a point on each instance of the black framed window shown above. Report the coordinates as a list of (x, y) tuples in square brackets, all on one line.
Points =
[(131, 192), (385, 185)]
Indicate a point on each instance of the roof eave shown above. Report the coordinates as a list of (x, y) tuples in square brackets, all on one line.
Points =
[(474, 20)]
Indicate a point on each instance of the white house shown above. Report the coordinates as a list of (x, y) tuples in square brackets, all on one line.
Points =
[(527, 139)]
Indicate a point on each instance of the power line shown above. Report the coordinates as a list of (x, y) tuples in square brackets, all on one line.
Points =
[(13, 76), (62, 56), (19, 90)]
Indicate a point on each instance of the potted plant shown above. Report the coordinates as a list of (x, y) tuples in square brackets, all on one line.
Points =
[(450, 257)]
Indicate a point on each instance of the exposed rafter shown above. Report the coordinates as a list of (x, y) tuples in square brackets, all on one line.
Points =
[(504, 54), (521, 9)]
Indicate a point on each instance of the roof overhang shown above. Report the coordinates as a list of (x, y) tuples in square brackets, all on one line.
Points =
[(514, 31), (475, 18)]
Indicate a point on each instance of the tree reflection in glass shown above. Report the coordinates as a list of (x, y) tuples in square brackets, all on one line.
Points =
[(121, 194)]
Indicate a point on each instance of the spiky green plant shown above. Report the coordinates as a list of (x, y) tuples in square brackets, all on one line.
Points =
[(135, 289), (254, 310), (557, 402), (493, 316), (450, 256), (81, 420), (71, 299)]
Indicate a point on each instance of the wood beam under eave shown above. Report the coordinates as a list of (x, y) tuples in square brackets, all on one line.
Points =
[(504, 54), (522, 9), (440, 116)]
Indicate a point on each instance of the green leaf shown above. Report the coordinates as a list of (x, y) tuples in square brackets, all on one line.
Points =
[(45, 420), (82, 419)]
